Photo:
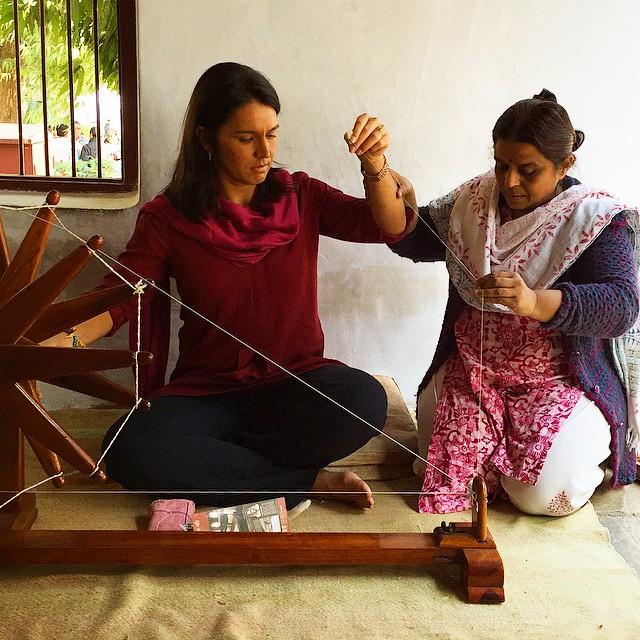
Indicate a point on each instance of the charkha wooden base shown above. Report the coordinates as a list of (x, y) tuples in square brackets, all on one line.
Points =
[(481, 566), (28, 316), (468, 544)]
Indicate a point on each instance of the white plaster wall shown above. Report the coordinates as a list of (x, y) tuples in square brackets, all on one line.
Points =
[(438, 73)]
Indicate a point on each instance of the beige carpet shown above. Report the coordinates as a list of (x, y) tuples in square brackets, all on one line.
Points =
[(563, 580)]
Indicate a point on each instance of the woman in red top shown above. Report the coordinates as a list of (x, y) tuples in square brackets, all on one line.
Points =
[(240, 239)]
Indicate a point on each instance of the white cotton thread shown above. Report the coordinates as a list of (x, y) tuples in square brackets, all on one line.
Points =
[(481, 370), (138, 290), (442, 242), (120, 428), (62, 226), (29, 489), (182, 492), (274, 363), (143, 282), (480, 374), (32, 208)]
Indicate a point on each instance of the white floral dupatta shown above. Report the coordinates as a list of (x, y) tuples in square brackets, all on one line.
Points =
[(540, 246)]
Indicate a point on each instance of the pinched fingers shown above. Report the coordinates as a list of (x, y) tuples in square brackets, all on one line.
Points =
[(507, 289), (499, 279), (496, 286), (362, 127), (368, 135)]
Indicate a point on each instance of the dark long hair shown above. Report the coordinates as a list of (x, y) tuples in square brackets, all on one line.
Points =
[(221, 90), (542, 122)]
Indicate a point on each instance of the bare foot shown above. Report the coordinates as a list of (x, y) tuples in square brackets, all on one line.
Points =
[(345, 486)]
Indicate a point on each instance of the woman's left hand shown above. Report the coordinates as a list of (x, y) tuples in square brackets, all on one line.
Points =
[(508, 289), (368, 139)]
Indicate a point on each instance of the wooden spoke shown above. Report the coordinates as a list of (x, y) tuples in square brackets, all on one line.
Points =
[(27, 316), (26, 262), (19, 408), (26, 306), (22, 362), (63, 315), (47, 459), (96, 386)]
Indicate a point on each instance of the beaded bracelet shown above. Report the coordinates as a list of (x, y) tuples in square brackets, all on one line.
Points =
[(376, 177), (76, 343)]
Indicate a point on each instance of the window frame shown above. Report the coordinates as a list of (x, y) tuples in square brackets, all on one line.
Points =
[(128, 79)]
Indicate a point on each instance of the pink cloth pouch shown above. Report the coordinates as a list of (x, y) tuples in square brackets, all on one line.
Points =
[(171, 515)]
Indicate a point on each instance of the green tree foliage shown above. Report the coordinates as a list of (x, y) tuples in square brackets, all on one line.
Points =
[(56, 53)]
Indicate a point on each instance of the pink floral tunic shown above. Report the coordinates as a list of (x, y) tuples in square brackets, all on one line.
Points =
[(526, 397)]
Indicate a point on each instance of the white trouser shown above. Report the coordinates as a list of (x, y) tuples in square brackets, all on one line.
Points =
[(571, 471)]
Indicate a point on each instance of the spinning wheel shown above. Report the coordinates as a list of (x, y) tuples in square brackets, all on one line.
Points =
[(27, 316)]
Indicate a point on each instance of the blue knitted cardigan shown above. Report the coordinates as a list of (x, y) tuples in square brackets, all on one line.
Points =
[(599, 301)]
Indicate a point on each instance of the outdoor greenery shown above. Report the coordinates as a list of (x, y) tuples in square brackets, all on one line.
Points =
[(88, 169), (56, 53)]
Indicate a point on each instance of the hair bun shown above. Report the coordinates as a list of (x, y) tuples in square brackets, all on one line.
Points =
[(578, 139), (545, 94)]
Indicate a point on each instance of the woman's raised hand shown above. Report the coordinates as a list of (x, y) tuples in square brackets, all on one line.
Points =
[(384, 190), (368, 139)]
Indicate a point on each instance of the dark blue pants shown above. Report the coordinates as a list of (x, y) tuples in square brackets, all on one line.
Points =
[(272, 438)]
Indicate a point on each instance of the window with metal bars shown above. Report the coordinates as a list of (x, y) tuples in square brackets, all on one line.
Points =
[(68, 95)]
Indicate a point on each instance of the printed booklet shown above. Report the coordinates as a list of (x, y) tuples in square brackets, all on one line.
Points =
[(269, 516)]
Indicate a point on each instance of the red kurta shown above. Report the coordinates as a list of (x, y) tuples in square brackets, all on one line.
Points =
[(271, 304)]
